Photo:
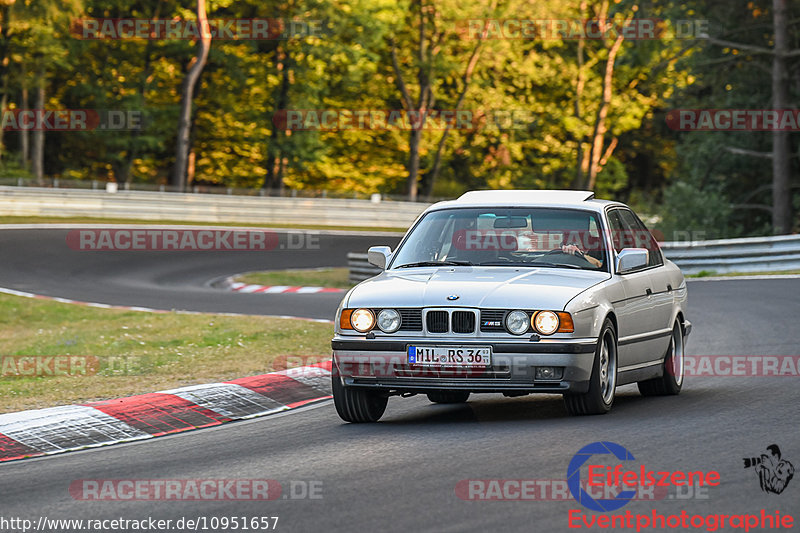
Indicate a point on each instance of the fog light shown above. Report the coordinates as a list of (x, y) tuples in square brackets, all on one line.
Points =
[(549, 373)]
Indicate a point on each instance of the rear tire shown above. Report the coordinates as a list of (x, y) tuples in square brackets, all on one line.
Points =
[(602, 385), (448, 396), (357, 405), (671, 381)]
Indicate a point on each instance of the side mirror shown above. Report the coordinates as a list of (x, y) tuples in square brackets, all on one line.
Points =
[(630, 259), (379, 256)]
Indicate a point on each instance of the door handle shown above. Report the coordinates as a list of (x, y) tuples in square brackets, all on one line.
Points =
[(648, 291), (669, 287)]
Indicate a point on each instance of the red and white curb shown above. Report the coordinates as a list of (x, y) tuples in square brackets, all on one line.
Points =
[(74, 427), (279, 289)]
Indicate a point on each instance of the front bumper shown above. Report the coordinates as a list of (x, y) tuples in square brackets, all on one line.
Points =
[(381, 364)]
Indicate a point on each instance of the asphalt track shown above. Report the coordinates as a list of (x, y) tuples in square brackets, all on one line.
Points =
[(40, 261), (401, 474)]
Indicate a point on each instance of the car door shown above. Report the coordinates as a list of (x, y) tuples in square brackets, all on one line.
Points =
[(662, 296), (634, 310)]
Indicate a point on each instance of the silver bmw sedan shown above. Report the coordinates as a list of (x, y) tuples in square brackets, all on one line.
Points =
[(513, 292)]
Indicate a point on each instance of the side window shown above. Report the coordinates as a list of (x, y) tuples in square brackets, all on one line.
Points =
[(642, 237), (617, 229)]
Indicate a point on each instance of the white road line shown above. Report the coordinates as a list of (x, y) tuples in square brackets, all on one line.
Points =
[(13, 292), (745, 278)]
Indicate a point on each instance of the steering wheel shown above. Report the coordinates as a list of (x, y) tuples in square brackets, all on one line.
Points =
[(562, 252)]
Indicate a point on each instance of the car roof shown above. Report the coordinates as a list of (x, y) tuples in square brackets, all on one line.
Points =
[(526, 198)]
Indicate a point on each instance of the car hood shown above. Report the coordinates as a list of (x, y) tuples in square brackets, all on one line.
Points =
[(487, 287)]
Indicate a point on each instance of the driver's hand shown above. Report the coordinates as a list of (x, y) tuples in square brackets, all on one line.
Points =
[(571, 249)]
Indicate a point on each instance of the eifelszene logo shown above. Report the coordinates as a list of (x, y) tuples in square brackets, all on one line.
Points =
[(774, 473), (618, 477)]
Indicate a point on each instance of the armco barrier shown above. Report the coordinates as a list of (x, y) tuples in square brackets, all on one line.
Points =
[(752, 254), (145, 205), (360, 269)]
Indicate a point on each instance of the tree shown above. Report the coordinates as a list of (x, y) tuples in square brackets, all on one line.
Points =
[(428, 47), (5, 16), (31, 33), (780, 53), (196, 66)]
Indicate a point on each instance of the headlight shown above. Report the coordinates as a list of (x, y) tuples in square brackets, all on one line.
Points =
[(517, 322), (545, 322), (362, 320), (388, 320)]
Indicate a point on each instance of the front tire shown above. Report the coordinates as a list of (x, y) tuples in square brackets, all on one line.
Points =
[(357, 405), (448, 396), (602, 385), (671, 381)]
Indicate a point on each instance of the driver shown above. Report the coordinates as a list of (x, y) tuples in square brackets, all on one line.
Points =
[(574, 250)]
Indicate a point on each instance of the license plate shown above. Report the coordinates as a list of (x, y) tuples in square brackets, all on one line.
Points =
[(470, 356)]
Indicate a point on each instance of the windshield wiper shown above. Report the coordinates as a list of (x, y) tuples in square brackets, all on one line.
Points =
[(506, 263), (435, 263), (555, 265), (529, 264)]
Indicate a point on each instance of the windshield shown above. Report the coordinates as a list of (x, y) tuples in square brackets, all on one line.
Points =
[(536, 237)]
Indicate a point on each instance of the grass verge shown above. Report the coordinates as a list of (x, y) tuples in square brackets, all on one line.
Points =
[(131, 221), (136, 352), (322, 277)]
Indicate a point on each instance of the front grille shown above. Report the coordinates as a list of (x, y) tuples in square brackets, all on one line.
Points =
[(410, 319), (492, 320), (463, 321), (437, 321)]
